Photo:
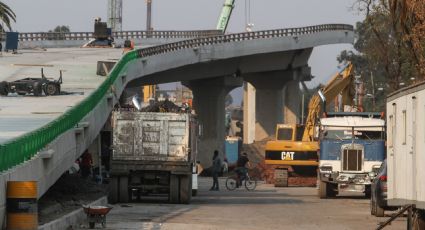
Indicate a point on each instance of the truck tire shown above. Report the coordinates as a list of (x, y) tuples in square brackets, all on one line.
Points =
[(372, 206), (123, 188), (4, 88), (379, 212), (185, 189), (418, 220), (113, 190), (174, 189), (332, 190), (323, 190), (37, 89), (51, 89)]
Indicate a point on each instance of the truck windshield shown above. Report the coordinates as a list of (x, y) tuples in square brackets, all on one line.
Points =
[(345, 133), (284, 134)]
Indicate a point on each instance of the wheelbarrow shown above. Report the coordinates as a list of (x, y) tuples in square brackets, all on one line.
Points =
[(96, 214)]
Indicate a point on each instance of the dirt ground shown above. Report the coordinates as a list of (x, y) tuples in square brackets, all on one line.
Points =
[(69, 193)]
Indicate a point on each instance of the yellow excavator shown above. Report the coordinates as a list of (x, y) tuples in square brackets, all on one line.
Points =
[(295, 148)]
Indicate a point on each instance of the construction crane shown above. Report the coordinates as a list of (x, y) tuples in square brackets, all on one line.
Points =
[(295, 146), (226, 12)]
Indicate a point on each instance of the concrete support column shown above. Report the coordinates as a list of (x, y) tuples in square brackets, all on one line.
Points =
[(209, 104), (268, 112), (249, 113), (277, 99), (292, 101)]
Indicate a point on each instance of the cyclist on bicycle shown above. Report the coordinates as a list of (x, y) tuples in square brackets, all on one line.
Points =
[(242, 167)]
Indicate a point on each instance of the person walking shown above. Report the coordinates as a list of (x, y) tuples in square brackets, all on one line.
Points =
[(216, 169)]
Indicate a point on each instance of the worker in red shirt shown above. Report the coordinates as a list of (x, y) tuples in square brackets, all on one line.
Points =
[(86, 164)]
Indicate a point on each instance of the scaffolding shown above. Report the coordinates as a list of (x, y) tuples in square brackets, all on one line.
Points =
[(115, 15)]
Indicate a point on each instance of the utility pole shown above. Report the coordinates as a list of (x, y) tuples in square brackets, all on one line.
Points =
[(149, 15)]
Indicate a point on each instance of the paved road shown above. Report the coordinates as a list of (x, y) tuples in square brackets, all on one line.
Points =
[(266, 208)]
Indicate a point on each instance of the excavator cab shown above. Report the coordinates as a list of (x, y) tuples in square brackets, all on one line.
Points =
[(289, 132)]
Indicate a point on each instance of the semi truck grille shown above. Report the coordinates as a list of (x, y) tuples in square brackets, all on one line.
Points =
[(352, 160)]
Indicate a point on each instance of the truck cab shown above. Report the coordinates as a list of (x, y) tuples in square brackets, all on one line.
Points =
[(352, 149)]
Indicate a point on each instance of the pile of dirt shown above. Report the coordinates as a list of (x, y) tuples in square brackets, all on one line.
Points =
[(69, 193)]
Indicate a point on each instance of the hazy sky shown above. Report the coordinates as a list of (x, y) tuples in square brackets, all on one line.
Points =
[(44, 15)]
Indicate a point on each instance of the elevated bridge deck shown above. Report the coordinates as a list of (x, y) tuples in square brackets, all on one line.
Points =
[(22, 114)]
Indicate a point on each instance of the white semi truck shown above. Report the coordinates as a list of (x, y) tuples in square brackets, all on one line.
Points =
[(153, 153), (406, 151), (352, 149)]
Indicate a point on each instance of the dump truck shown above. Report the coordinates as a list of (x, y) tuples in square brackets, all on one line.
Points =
[(405, 151), (153, 153)]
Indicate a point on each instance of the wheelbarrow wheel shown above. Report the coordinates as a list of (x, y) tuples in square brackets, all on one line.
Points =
[(91, 225)]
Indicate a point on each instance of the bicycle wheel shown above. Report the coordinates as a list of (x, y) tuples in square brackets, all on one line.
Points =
[(250, 184), (231, 183)]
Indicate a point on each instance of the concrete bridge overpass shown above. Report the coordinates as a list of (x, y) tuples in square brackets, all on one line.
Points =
[(210, 66)]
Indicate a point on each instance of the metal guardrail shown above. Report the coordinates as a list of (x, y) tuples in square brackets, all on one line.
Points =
[(194, 43), (24, 147), (42, 36)]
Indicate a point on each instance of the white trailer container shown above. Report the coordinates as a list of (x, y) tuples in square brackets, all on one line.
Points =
[(153, 153), (406, 150)]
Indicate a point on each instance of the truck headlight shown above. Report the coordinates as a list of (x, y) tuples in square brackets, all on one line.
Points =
[(372, 174)]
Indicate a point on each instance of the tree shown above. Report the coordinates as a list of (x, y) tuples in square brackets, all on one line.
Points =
[(6, 16), (58, 33), (61, 29), (390, 46)]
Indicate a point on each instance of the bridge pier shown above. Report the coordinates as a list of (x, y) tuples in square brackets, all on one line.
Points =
[(275, 99), (209, 104)]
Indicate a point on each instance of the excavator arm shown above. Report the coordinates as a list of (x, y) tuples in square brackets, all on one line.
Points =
[(340, 83)]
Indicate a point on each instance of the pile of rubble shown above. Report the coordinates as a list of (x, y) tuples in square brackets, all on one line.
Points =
[(256, 152)]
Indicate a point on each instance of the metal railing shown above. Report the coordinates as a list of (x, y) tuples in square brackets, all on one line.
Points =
[(24, 147), (42, 36)]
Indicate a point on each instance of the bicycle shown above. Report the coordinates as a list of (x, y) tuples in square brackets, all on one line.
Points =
[(232, 182)]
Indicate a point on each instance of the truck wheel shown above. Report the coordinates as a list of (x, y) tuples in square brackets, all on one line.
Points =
[(379, 212), (185, 189), (174, 189), (4, 88), (51, 89), (37, 89), (372, 206), (323, 190), (418, 220), (332, 190), (123, 188), (113, 190)]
